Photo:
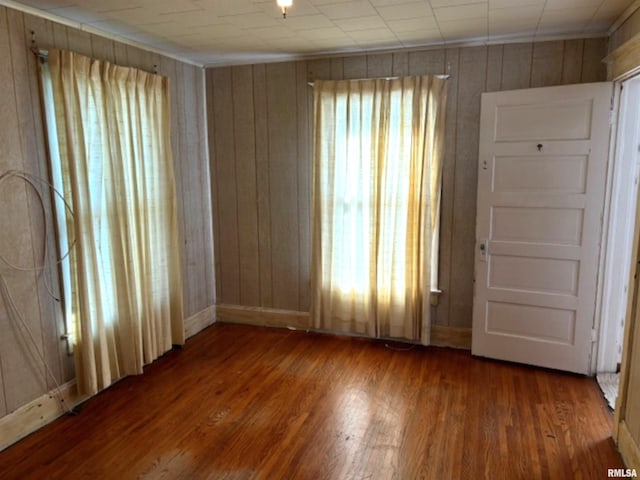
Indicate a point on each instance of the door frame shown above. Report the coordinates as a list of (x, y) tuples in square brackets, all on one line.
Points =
[(621, 434), (619, 200)]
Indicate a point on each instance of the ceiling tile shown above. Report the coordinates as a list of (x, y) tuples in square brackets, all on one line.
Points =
[(361, 23), (420, 37), (308, 22), (514, 3), (270, 33), (413, 24), (77, 14), (567, 16), (378, 35), (354, 9), (323, 33), (452, 3), (517, 13), (574, 4), (251, 20), (463, 29), (405, 10), (511, 27), (461, 12), (227, 7)]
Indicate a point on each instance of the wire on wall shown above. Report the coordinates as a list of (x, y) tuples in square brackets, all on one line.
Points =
[(13, 311)]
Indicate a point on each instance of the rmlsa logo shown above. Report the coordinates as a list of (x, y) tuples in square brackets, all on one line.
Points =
[(622, 473)]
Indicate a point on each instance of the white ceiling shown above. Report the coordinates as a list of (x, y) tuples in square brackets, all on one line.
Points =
[(215, 32)]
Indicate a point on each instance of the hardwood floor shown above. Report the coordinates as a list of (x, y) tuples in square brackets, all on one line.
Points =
[(244, 402)]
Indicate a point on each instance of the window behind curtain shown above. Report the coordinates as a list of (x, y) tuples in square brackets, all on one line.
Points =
[(108, 130), (377, 151)]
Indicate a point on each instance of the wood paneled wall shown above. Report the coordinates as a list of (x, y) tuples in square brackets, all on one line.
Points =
[(626, 31), (22, 147), (260, 147)]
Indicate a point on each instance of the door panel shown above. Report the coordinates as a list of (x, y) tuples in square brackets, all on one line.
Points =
[(543, 155)]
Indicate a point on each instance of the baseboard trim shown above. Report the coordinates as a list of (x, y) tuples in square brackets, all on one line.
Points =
[(263, 317), (456, 337), (198, 322), (38, 413), (442, 336), (628, 447)]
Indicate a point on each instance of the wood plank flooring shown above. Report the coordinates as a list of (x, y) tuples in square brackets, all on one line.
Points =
[(244, 402)]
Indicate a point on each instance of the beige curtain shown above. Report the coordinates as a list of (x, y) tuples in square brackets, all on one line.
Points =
[(376, 204), (115, 156)]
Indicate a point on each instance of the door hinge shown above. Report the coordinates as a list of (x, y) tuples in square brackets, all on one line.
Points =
[(594, 335)]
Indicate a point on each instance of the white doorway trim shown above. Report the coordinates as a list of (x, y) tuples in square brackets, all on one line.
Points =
[(618, 224)]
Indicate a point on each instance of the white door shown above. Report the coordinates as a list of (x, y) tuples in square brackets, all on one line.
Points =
[(541, 180)]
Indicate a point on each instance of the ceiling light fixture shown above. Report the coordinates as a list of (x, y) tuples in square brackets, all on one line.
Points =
[(284, 4)]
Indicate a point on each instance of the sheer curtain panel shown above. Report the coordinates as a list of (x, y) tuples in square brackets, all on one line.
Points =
[(376, 204), (111, 127)]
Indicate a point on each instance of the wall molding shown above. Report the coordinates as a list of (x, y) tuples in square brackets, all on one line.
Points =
[(263, 317), (628, 447), (456, 337), (38, 413), (198, 322), (441, 336)]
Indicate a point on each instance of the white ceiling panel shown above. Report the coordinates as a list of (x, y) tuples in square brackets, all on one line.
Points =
[(405, 10), (223, 32), (461, 12), (417, 24)]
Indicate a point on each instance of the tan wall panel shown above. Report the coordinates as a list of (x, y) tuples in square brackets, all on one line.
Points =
[(263, 187), (494, 68), (283, 179), (27, 95), (79, 41), (60, 36), (321, 69), (546, 65), (208, 287), (337, 68), (428, 62), (195, 189), (355, 67), (452, 59), (380, 65), (572, 61), (22, 369), (245, 161), (400, 64), (223, 158), (102, 48), (473, 64), (304, 161), (516, 66), (593, 68)]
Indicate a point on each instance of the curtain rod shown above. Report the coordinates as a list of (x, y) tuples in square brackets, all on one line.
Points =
[(444, 76)]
